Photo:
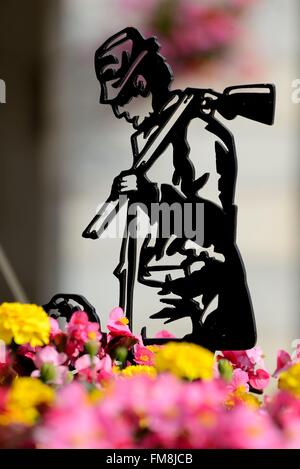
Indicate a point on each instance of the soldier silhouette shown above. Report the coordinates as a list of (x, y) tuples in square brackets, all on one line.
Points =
[(210, 271)]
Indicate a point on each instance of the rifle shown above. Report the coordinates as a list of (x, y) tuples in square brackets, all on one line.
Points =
[(256, 105)]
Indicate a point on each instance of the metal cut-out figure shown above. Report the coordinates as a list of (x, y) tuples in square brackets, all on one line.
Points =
[(130, 68), (63, 305)]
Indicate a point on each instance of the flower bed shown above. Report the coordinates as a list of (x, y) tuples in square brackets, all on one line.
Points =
[(193, 33), (83, 388)]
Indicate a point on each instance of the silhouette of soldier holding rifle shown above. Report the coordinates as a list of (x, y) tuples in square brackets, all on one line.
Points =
[(130, 68)]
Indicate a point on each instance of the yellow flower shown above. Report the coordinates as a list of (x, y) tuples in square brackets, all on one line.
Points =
[(124, 321), (138, 370), (290, 380), (241, 395), (24, 323), (24, 398), (153, 348), (95, 395), (115, 369), (185, 360)]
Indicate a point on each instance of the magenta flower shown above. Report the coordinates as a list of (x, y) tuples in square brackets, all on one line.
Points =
[(164, 334), (75, 422), (245, 428), (247, 361), (118, 323), (71, 423), (27, 351), (142, 355), (191, 33), (80, 331), (244, 359), (284, 409), (284, 361), (259, 379)]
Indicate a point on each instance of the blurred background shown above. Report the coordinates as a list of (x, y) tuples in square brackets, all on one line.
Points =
[(60, 150)]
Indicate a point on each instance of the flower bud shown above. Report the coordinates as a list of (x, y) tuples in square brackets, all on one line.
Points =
[(70, 377), (48, 372), (225, 369), (92, 347), (121, 354)]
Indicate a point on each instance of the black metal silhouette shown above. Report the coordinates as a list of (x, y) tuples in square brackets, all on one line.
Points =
[(127, 65), (64, 305)]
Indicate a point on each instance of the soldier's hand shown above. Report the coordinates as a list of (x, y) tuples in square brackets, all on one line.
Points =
[(124, 183), (128, 183)]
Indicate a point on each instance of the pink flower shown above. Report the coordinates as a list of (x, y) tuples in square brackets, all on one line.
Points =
[(81, 329), (164, 334), (86, 368), (105, 371), (142, 355), (85, 362), (177, 414), (245, 359), (49, 363), (74, 422), (71, 423), (56, 373), (94, 370), (55, 329), (239, 379), (59, 375), (48, 355), (255, 355), (79, 332), (284, 361), (118, 323), (245, 428), (191, 32), (284, 409), (259, 379), (165, 409)]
